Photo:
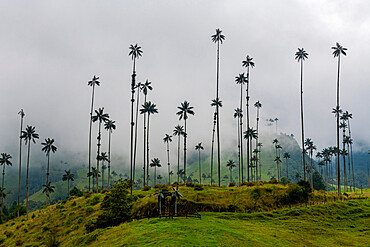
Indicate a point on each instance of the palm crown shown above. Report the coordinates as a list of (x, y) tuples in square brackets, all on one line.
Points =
[(179, 130), (110, 125), (94, 81), (155, 163), (230, 164), (149, 108), (146, 86), (100, 115), (199, 146), (286, 155), (240, 79), (5, 159), (301, 54), (68, 175), (48, 146), (258, 104), (238, 113), (216, 102), (135, 51), (167, 138), (29, 134), (248, 62), (338, 49), (218, 37), (103, 157), (185, 110)]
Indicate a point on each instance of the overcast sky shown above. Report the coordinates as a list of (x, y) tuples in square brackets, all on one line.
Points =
[(49, 50)]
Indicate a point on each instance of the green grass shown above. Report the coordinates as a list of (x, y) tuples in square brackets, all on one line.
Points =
[(343, 223)]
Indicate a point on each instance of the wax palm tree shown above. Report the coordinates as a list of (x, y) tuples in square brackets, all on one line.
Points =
[(178, 131), (21, 113), (248, 63), (258, 105), (338, 50), (230, 164), (100, 117), (301, 55), (278, 148), (250, 134), (217, 103), (346, 116), (148, 108), (135, 53), (103, 157), (110, 126), (286, 156), (218, 38), (167, 139), (343, 126), (184, 111), (94, 82), (48, 146), (68, 176), (199, 147), (29, 135), (4, 161), (155, 163), (259, 146), (144, 88), (310, 147), (138, 88), (48, 189), (241, 79), (238, 113)]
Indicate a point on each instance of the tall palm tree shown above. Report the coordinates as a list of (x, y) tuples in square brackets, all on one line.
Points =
[(230, 164), (248, 63), (301, 55), (178, 131), (260, 145), (4, 160), (218, 38), (199, 147), (310, 147), (68, 176), (167, 139), (258, 105), (48, 146), (286, 156), (184, 111), (217, 103), (29, 135), (238, 113), (48, 189), (100, 117), (103, 157), (110, 126), (148, 108), (346, 116), (338, 50), (138, 88), (155, 163), (21, 113), (144, 88), (241, 79), (94, 82), (135, 53), (250, 134)]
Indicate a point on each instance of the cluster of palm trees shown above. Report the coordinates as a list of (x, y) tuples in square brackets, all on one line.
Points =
[(109, 125)]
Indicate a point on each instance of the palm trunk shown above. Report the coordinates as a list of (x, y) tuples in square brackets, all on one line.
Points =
[(248, 143), (200, 172), (169, 166), (239, 158), (155, 176), (338, 162), (147, 151), (146, 165), (97, 159), (20, 166), (135, 144), (327, 176), (231, 176), (48, 169), (258, 118), (241, 133), (68, 187), (2, 193), (344, 163), (28, 165), (302, 126), (132, 124), (218, 117), (286, 168), (91, 112), (213, 142), (178, 158), (186, 135), (102, 176), (353, 173), (110, 132)]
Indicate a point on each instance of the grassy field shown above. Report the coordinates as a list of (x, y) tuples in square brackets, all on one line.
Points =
[(342, 223)]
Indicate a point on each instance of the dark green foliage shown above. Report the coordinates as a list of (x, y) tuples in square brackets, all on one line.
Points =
[(75, 192), (116, 208), (318, 183), (89, 210), (189, 184), (300, 192), (232, 184), (198, 187), (146, 188), (95, 200)]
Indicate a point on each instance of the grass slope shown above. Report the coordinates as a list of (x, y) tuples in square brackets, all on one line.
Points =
[(332, 224)]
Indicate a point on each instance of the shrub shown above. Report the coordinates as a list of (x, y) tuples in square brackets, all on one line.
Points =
[(8, 234), (45, 228), (33, 216), (59, 206), (175, 184), (248, 184), (87, 194), (146, 188), (189, 184), (73, 203), (232, 184), (76, 192), (103, 191), (116, 208), (89, 210), (95, 200), (198, 187)]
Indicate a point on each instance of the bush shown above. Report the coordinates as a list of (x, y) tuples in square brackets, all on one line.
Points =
[(198, 187), (95, 200), (189, 184), (232, 184), (116, 208), (248, 184), (76, 192), (146, 188), (89, 210)]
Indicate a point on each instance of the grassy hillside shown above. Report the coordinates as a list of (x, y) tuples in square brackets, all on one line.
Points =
[(330, 224)]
